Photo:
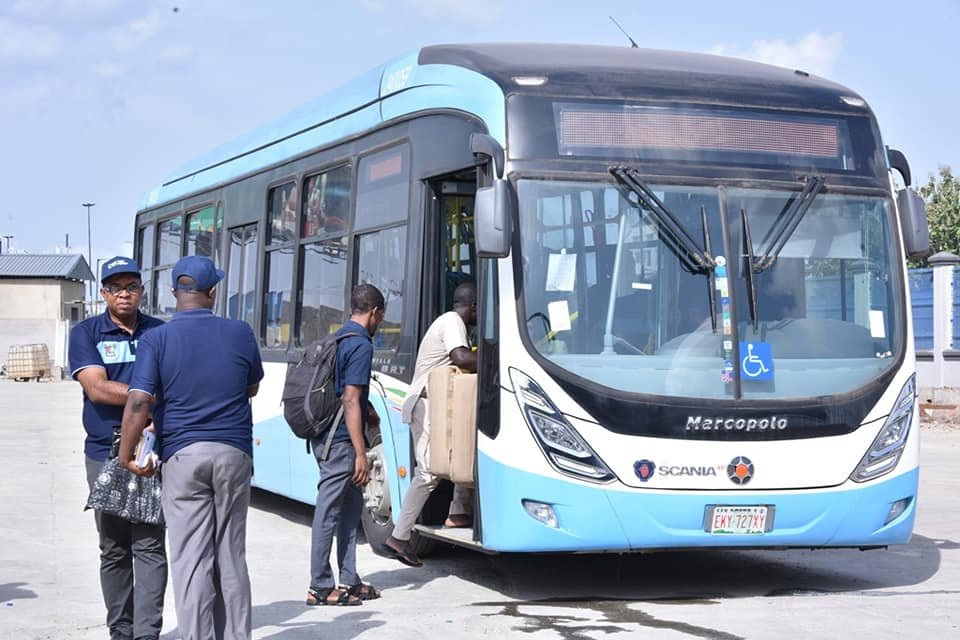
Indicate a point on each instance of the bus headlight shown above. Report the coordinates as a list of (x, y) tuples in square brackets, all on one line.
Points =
[(884, 453), (564, 448)]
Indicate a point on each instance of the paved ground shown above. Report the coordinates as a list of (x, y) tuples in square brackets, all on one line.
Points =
[(49, 587)]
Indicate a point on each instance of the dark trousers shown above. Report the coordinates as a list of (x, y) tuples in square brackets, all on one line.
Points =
[(133, 572), (337, 513)]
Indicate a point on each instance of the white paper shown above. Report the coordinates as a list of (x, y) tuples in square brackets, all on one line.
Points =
[(559, 313), (146, 448), (877, 327), (561, 271)]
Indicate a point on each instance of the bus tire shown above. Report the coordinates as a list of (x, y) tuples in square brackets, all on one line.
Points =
[(376, 516)]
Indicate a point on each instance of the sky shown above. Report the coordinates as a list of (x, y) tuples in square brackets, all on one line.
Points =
[(100, 100)]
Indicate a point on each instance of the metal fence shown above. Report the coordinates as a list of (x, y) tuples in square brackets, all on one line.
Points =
[(935, 306)]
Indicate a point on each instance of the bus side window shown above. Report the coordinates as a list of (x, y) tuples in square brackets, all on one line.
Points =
[(381, 259), (201, 232), (241, 273)]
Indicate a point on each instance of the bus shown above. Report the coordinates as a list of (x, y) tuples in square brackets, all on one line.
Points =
[(693, 326)]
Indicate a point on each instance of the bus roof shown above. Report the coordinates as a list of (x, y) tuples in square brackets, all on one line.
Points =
[(475, 79), (642, 73)]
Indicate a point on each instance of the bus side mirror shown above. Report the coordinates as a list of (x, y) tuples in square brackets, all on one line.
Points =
[(491, 220), (913, 223)]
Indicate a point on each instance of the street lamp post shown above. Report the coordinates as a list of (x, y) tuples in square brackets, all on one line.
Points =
[(90, 205), (96, 300)]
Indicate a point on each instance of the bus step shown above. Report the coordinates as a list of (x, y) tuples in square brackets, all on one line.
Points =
[(462, 537)]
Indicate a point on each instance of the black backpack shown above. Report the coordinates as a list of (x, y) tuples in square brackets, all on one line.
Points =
[(310, 403)]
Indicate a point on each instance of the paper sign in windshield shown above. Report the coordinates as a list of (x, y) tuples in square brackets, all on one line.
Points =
[(561, 271), (559, 313), (878, 328)]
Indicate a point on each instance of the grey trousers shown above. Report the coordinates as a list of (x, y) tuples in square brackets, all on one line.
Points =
[(133, 571), (206, 494), (423, 482), (337, 513)]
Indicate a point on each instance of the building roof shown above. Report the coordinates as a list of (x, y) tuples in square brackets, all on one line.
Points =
[(62, 266)]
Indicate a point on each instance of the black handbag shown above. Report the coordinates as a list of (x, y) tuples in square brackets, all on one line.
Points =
[(126, 495)]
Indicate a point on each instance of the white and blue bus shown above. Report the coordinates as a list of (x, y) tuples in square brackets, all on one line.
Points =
[(693, 318)]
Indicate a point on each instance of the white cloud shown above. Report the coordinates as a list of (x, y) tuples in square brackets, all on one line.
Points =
[(136, 32), (27, 98), (108, 69), (462, 11), (373, 6), (176, 54), (44, 9), (814, 52), (20, 43)]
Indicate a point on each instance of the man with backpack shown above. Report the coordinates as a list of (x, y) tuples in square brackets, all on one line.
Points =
[(342, 458)]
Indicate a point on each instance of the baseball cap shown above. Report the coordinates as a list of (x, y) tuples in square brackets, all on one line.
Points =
[(118, 264), (201, 269)]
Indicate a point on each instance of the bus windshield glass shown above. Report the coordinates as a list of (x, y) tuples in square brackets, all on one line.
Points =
[(609, 298)]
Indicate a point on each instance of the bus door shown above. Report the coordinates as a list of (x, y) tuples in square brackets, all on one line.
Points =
[(451, 249)]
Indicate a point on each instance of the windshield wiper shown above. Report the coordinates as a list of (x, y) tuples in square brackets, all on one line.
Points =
[(711, 277), (750, 270), (692, 257), (787, 222)]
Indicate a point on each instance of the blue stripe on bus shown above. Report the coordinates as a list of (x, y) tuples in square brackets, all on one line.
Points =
[(426, 87), (395, 436), (283, 465), (619, 520)]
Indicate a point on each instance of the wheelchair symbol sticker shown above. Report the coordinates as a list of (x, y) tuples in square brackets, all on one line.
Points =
[(756, 361)]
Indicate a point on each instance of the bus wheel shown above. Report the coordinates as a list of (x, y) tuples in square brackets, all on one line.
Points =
[(376, 515)]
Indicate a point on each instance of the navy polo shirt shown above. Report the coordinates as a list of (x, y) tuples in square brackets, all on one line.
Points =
[(198, 366), (354, 358), (99, 342)]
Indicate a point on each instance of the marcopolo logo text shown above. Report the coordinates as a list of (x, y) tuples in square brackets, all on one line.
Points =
[(719, 423)]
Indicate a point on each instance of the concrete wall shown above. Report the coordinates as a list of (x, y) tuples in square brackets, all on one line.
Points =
[(38, 311), (938, 361)]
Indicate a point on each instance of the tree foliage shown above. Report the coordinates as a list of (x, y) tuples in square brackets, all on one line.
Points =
[(942, 195)]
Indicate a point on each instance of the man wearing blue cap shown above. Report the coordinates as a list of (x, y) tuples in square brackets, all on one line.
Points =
[(198, 372), (133, 562)]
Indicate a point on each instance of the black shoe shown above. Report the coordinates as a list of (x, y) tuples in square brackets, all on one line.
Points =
[(401, 552)]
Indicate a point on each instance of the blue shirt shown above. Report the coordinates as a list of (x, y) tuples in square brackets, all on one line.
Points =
[(198, 366), (354, 358), (99, 342)]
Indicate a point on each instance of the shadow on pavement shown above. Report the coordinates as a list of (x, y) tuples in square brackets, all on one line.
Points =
[(667, 575), (12, 591), (695, 574), (344, 624)]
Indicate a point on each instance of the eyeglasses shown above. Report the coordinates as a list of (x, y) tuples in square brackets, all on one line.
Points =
[(114, 289)]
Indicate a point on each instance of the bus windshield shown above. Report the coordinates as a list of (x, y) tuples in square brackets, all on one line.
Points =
[(609, 297)]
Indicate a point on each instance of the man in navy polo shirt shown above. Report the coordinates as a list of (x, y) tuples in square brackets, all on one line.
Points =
[(345, 471), (198, 372), (133, 562)]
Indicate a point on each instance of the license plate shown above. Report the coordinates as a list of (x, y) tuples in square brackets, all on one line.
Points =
[(738, 519)]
